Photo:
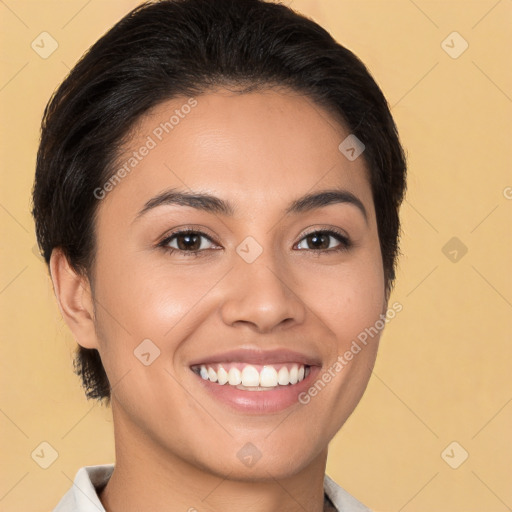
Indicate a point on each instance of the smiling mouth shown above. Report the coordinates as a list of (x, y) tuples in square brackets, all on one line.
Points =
[(253, 377)]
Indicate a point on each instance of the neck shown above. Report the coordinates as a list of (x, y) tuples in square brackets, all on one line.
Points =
[(148, 477)]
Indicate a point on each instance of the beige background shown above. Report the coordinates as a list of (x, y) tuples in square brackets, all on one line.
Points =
[(443, 372)]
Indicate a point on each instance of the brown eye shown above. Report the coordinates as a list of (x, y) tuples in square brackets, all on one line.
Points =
[(321, 241), (187, 242)]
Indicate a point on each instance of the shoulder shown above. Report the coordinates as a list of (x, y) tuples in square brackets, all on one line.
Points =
[(83, 496), (342, 500)]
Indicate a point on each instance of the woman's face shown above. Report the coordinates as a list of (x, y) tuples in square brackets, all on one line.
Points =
[(266, 281)]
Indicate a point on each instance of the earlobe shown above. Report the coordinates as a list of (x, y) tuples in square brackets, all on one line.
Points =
[(73, 293)]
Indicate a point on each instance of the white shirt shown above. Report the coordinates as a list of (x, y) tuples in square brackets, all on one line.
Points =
[(83, 495)]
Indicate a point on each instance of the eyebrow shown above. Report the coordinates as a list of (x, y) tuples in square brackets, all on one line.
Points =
[(212, 204)]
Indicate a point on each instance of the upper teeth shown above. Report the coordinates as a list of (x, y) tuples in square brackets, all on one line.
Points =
[(269, 375)]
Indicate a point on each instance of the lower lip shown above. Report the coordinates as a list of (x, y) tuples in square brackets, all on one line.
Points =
[(260, 402)]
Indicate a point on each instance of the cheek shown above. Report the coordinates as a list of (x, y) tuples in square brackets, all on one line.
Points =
[(349, 305), (348, 298), (148, 300), (146, 312), (160, 302)]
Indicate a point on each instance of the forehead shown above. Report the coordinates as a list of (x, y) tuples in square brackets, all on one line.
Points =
[(259, 148)]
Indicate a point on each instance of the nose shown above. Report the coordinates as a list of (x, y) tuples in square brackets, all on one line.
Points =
[(261, 294)]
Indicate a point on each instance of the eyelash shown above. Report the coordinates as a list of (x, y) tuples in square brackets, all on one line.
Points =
[(345, 242)]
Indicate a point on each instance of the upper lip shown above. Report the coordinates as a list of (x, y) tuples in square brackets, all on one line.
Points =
[(258, 356)]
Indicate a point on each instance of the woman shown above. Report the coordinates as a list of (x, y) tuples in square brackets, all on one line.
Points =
[(216, 197)]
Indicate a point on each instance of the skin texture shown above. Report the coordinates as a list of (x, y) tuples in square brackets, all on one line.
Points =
[(176, 446)]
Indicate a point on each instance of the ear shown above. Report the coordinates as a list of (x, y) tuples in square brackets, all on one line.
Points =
[(73, 293)]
